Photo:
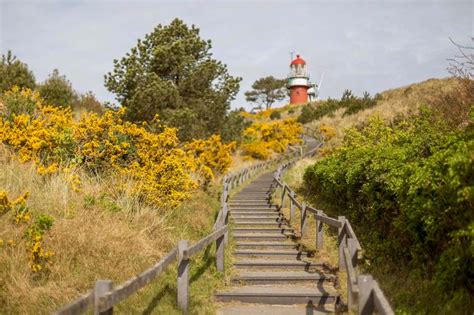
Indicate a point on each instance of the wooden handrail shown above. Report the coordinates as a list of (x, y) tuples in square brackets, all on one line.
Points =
[(204, 242), (104, 297), (78, 306), (366, 297), (131, 286)]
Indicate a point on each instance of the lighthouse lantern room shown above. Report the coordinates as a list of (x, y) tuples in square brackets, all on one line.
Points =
[(298, 82)]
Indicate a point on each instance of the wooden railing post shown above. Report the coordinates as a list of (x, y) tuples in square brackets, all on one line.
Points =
[(292, 205), (303, 219), (366, 299), (319, 232), (353, 251), (102, 287), (341, 241), (183, 276), (282, 204), (225, 212), (220, 250)]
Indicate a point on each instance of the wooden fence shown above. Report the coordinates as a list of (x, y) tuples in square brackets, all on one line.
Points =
[(364, 293), (103, 297)]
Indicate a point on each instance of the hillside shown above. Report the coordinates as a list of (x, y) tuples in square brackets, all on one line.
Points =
[(391, 103)]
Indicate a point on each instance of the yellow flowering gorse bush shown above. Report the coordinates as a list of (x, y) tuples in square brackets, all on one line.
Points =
[(211, 155), (39, 258), (165, 170), (262, 139)]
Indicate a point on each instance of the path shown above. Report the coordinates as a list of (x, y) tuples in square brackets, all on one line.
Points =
[(274, 275)]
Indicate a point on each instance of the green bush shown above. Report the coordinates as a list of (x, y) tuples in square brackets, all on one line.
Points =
[(407, 188), (17, 102), (234, 125), (352, 103), (275, 115)]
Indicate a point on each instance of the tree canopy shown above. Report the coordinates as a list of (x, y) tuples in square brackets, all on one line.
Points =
[(57, 90), (14, 72), (171, 72), (266, 91)]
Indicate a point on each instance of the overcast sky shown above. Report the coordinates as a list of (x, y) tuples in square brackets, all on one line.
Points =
[(358, 45)]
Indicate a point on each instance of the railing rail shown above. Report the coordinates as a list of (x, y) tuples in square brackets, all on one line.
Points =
[(364, 293), (104, 297)]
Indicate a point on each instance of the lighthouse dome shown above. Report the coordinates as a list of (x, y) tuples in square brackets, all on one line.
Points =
[(298, 61)]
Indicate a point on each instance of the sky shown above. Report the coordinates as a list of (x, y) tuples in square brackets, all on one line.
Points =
[(358, 45)]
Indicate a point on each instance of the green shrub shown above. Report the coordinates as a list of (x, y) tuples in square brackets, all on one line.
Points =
[(16, 102), (352, 103), (275, 115), (407, 188)]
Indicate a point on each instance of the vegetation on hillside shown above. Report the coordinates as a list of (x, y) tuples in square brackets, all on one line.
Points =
[(54, 141), (406, 185), (266, 91), (83, 233), (171, 72), (262, 139), (351, 103), (13, 72)]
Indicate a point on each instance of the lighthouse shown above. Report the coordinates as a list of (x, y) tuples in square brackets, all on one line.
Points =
[(298, 82)]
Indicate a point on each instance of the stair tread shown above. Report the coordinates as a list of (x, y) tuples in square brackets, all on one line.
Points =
[(264, 243), (283, 275), (281, 290), (285, 262), (270, 251), (268, 310), (256, 235)]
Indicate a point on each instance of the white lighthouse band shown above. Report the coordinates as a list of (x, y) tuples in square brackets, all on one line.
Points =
[(298, 82)]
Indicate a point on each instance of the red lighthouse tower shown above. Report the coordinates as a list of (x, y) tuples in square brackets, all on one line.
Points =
[(298, 81)]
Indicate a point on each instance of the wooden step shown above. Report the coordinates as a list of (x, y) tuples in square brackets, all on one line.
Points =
[(281, 294), (263, 229), (253, 214), (261, 236), (247, 202), (264, 244), (266, 207), (262, 309), (272, 253), (252, 210), (284, 264), (281, 277), (237, 219), (270, 223)]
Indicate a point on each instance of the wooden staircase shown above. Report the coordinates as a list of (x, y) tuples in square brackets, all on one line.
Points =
[(275, 276)]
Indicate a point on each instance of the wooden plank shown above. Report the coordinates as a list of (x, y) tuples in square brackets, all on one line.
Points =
[(319, 230), (292, 196), (183, 277), (197, 247), (380, 301), (218, 219), (341, 241), (133, 285), (366, 301), (220, 253), (352, 288), (350, 233), (303, 219), (78, 306), (324, 218), (102, 287), (278, 182), (351, 274)]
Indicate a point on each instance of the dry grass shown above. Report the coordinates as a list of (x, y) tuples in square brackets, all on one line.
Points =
[(98, 233)]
